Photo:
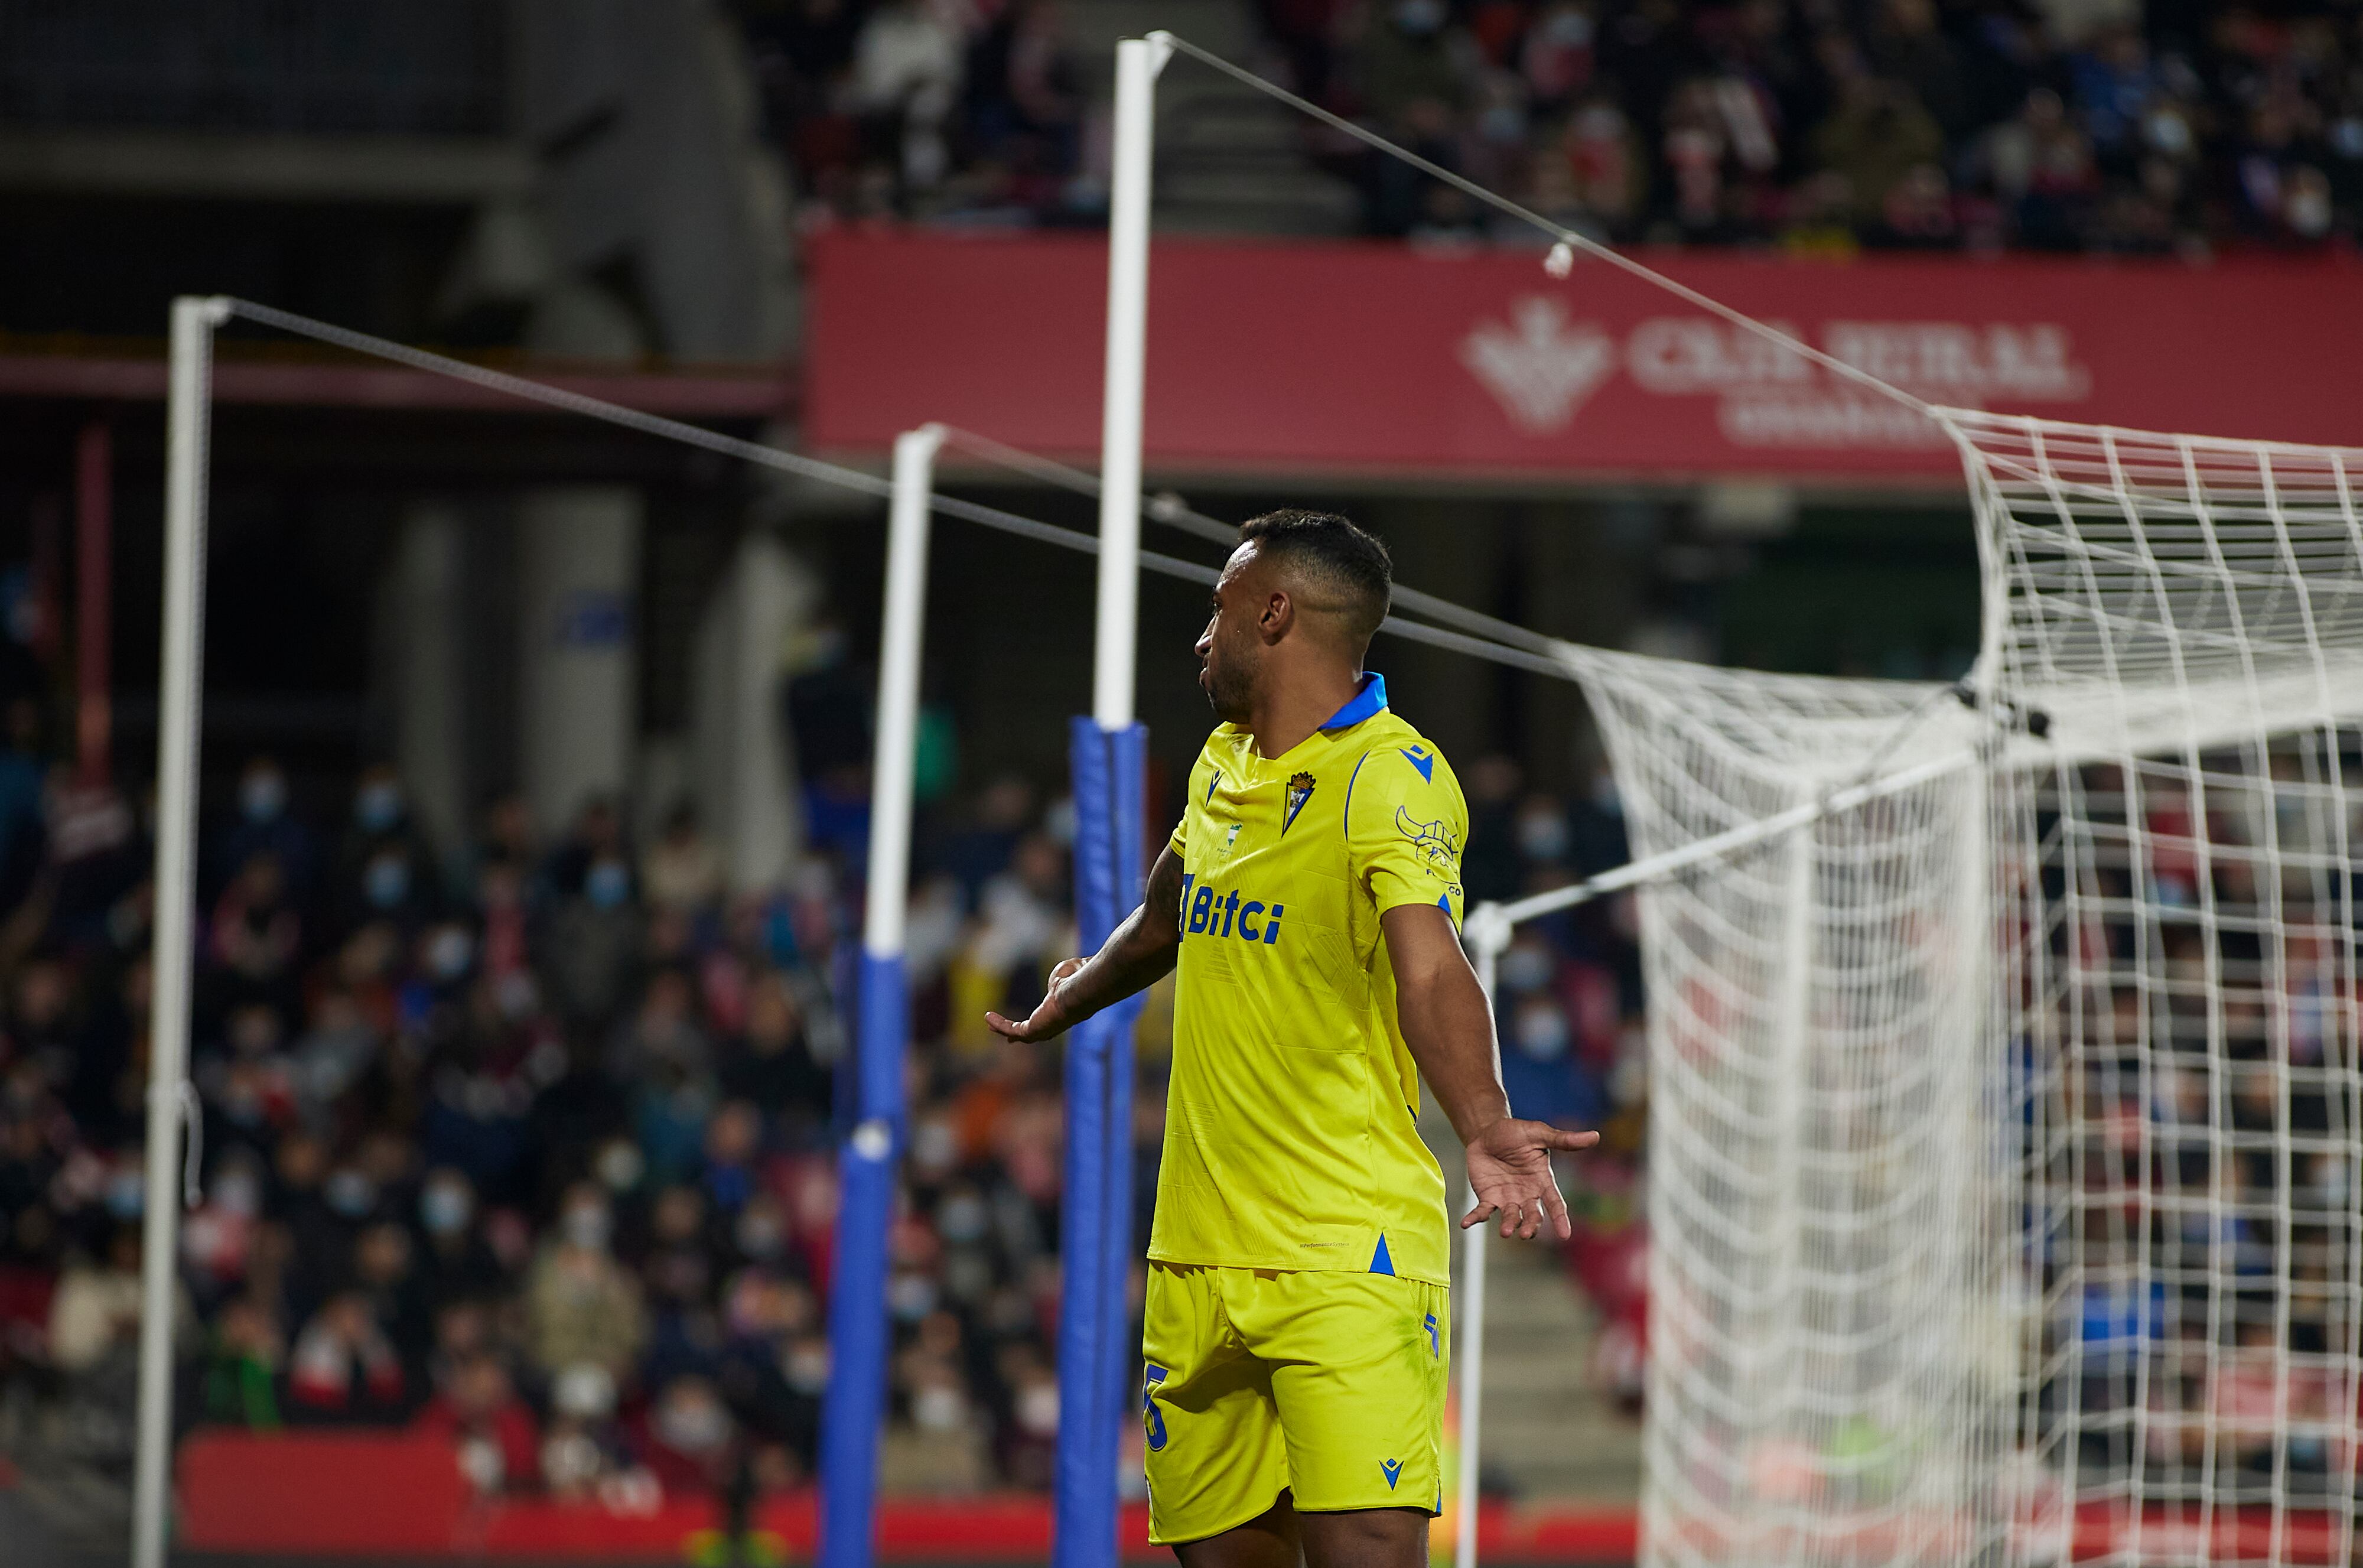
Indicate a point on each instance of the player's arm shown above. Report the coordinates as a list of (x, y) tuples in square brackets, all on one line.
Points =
[(1137, 956), (1449, 1027)]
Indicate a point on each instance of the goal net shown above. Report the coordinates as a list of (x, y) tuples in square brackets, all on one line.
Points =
[(1823, 1203), (2005, 1123)]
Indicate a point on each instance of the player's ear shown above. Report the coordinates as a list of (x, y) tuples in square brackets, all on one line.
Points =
[(1279, 615)]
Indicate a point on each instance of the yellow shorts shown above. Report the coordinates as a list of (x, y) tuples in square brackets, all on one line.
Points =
[(1256, 1381)]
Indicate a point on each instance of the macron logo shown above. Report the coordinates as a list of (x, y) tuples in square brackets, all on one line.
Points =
[(1393, 1468)]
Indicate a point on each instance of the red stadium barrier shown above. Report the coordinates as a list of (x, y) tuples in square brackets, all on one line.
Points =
[(390, 1494), (402, 1496), (399, 1495)]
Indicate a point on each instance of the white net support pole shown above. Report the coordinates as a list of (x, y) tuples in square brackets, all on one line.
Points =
[(1137, 63), (1094, 1358), (188, 426), (1488, 933), (901, 643), (1731, 842), (1489, 930), (860, 1334)]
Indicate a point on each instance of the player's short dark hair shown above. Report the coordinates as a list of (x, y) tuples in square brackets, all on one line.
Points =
[(1350, 568)]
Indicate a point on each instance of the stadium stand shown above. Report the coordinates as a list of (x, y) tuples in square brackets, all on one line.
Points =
[(522, 1145), (1974, 125)]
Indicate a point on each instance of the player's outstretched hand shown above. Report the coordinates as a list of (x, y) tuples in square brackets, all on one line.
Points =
[(1047, 1019), (1510, 1173)]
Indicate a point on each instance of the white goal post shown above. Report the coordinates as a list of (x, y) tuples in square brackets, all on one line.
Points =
[(2004, 1090)]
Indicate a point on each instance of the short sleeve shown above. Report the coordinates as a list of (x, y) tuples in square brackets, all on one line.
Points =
[(1180, 840), (1406, 826)]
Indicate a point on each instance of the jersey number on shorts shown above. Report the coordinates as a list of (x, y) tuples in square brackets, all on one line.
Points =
[(1151, 1417)]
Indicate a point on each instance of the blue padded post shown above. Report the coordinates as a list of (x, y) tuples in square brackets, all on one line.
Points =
[(855, 1403), (1127, 750), (1084, 1534)]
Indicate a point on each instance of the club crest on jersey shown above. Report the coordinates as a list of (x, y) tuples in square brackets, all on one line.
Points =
[(1299, 790)]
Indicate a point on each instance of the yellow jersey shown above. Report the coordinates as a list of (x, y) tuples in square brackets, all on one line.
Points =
[(1291, 1128)]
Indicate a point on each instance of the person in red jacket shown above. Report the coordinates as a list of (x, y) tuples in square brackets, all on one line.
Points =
[(478, 1411)]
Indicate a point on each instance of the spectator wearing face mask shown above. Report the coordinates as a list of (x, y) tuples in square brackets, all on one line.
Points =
[(1542, 834), (585, 1452), (391, 884), (940, 1450), (593, 944), (478, 1412), (1028, 1440), (247, 1081), (385, 869), (582, 1305), (266, 824), (455, 1263), (219, 1239), (691, 1438), (763, 1314)]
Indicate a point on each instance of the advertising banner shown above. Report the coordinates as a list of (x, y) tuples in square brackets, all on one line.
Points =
[(1325, 357)]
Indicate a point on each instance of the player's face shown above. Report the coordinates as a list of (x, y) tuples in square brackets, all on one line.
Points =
[(1228, 647)]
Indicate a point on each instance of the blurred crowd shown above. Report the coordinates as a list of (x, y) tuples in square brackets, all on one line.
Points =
[(1812, 125), (939, 109), (2197, 1120), (527, 1144), (524, 1143), (2051, 124), (1574, 1049)]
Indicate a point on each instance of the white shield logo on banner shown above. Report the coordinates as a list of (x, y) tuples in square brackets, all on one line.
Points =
[(1538, 368)]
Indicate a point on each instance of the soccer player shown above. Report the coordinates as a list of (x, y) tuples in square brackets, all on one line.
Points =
[(1297, 1322)]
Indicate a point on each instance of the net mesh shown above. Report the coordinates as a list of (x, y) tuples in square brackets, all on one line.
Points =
[(2003, 1187), (2176, 991), (1818, 1258)]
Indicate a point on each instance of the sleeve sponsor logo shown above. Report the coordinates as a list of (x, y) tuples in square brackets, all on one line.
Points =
[(1436, 845)]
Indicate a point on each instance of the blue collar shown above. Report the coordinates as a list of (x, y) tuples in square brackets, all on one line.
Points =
[(1369, 701)]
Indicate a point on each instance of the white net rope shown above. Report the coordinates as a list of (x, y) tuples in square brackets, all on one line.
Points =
[(2177, 981), (1823, 1259), (2005, 1128)]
